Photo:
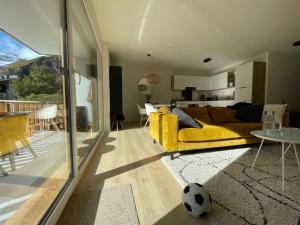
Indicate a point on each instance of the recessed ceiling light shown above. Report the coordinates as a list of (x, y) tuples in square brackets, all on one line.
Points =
[(207, 60), (297, 43)]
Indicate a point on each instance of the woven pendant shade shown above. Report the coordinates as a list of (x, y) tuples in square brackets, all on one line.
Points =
[(153, 79), (147, 84)]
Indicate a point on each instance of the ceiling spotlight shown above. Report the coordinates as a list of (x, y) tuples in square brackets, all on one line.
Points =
[(297, 43), (207, 60)]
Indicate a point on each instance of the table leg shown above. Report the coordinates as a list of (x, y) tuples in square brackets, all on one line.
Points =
[(112, 124), (285, 151), (3, 171), (282, 166), (147, 121), (262, 141), (295, 149), (141, 119)]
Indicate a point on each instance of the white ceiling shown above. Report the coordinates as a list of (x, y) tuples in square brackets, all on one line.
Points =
[(181, 33), (36, 23)]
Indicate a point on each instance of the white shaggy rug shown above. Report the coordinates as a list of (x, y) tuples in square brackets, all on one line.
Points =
[(242, 195)]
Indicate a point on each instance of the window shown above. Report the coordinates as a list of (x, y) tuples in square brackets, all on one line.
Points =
[(84, 55), (34, 149), (47, 115)]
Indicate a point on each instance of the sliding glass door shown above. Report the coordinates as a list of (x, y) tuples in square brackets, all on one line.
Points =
[(34, 142), (85, 72), (51, 104)]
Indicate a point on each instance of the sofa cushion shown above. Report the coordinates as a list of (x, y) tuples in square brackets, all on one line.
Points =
[(222, 115), (185, 120), (236, 106), (200, 114), (249, 113), (220, 132)]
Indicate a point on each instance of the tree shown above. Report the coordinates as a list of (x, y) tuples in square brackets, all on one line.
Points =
[(41, 80)]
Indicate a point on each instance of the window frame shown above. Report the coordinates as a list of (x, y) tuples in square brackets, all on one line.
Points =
[(76, 171)]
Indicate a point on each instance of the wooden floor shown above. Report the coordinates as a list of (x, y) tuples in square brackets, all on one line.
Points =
[(130, 156)]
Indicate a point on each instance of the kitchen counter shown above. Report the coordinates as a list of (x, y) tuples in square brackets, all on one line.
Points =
[(218, 103)]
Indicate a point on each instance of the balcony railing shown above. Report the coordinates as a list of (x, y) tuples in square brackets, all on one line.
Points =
[(35, 123)]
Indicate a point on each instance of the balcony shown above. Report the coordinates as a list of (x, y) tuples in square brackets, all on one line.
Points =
[(34, 168), (36, 77), (27, 168)]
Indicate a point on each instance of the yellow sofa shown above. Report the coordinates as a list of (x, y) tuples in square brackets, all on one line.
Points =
[(220, 129)]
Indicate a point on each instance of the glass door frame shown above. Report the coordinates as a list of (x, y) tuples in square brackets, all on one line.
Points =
[(56, 207), (77, 167)]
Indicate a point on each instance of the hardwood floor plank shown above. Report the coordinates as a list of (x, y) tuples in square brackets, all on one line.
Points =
[(130, 156)]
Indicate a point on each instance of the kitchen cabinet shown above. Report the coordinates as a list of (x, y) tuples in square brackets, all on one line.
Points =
[(218, 81), (215, 82), (219, 103), (250, 82), (180, 82)]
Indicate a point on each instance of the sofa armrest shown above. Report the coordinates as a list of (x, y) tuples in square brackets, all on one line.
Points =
[(169, 132), (155, 125)]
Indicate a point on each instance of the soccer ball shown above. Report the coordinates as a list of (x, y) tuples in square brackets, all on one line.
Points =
[(196, 200)]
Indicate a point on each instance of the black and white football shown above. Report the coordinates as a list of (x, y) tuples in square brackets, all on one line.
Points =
[(196, 200)]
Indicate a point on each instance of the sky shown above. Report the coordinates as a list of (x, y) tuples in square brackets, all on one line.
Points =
[(12, 50)]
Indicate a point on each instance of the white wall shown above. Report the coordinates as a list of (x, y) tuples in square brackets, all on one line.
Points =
[(132, 73), (262, 57), (283, 80)]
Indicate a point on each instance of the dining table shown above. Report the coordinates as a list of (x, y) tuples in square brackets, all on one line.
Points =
[(4, 114)]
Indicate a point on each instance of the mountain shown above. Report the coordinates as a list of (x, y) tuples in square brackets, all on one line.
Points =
[(22, 67), (7, 57)]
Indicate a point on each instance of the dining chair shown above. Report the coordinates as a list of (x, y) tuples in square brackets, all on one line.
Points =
[(117, 119), (142, 113), (149, 109), (272, 118), (274, 113), (48, 114)]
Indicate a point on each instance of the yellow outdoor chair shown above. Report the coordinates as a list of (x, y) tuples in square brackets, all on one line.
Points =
[(15, 126), (7, 148)]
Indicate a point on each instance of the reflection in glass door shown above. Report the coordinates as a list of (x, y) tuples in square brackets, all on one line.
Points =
[(34, 150), (85, 74)]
